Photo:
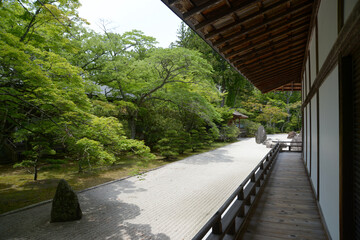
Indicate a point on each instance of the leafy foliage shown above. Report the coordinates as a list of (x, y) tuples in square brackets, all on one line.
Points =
[(102, 97)]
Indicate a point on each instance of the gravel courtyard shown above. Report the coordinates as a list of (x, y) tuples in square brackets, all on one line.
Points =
[(172, 202)]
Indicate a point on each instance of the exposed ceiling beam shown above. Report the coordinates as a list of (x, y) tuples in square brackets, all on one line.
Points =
[(260, 54), (171, 2), (273, 62), (290, 37), (265, 56), (227, 12), (277, 81), (290, 87), (263, 71), (266, 42), (300, 49), (285, 79), (276, 73), (265, 24), (240, 21), (292, 24), (254, 74), (262, 81), (200, 8), (277, 84)]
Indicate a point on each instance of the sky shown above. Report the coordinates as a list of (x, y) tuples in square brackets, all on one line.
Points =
[(150, 16)]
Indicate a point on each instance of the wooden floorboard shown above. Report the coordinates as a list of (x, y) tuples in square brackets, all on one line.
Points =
[(287, 208)]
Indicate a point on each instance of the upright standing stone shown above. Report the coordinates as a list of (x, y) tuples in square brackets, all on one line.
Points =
[(65, 205), (260, 135), (291, 134)]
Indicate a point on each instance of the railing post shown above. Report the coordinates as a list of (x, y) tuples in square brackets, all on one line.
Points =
[(242, 211), (241, 198), (262, 175), (258, 182), (253, 179), (241, 194), (217, 227), (231, 230)]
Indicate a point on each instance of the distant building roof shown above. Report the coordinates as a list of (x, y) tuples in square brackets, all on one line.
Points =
[(239, 115)]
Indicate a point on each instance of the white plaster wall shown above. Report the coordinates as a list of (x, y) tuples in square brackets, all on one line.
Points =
[(314, 143), (303, 89), (348, 7), (307, 76), (327, 28), (329, 152), (308, 137), (313, 57), (305, 136)]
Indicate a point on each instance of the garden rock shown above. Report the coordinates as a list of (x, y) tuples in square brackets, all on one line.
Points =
[(260, 135), (268, 143), (65, 205), (296, 143), (291, 135)]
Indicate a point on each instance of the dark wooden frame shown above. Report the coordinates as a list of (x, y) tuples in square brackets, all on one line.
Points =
[(346, 148), (346, 41), (310, 138), (318, 144)]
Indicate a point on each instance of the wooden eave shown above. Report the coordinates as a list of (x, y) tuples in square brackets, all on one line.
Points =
[(264, 40), (237, 115)]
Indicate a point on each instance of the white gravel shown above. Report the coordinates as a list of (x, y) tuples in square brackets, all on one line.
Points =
[(172, 202)]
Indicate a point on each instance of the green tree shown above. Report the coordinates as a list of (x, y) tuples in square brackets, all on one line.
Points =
[(44, 90), (232, 85)]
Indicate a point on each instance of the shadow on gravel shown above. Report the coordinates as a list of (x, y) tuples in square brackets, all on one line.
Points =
[(104, 217), (215, 156)]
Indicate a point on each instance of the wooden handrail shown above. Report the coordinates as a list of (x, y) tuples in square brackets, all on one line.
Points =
[(292, 145), (230, 218), (286, 142)]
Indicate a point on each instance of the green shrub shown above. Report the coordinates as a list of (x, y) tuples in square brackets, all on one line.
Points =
[(51, 167), (55, 161), (229, 133), (167, 148), (250, 127)]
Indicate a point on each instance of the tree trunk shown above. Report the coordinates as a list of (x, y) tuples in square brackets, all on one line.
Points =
[(222, 90), (80, 168), (222, 102), (236, 95), (35, 170), (132, 124), (287, 106)]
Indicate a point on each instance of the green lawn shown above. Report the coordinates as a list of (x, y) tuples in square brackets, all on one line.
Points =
[(18, 189)]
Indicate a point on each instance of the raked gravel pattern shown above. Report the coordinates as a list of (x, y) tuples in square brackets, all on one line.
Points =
[(172, 202)]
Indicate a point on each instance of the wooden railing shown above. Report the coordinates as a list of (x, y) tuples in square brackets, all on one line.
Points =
[(228, 221), (293, 147)]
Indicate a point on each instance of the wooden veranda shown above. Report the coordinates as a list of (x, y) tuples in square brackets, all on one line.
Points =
[(287, 208), (289, 45), (274, 202)]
